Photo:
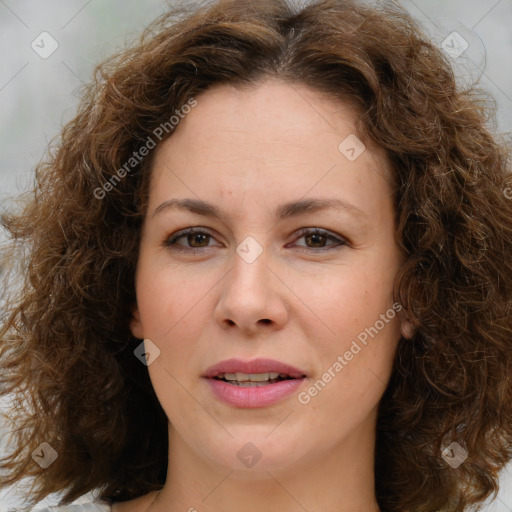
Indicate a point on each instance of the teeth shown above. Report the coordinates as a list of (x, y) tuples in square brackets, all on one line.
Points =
[(250, 384), (251, 377)]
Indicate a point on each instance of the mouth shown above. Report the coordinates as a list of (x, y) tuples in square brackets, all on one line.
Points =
[(248, 380), (255, 383), (260, 371)]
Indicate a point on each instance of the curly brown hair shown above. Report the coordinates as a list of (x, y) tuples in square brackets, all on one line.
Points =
[(66, 348)]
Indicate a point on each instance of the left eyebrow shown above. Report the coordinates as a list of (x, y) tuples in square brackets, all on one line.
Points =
[(284, 211)]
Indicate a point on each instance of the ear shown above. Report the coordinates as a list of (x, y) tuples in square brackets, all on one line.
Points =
[(135, 323), (407, 328)]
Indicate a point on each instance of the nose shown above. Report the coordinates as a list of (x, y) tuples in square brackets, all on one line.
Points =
[(253, 297)]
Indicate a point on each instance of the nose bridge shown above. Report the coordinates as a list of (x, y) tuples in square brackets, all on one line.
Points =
[(250, 264), (249, 294)]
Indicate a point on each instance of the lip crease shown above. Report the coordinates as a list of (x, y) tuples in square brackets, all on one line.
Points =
[(259, 365)]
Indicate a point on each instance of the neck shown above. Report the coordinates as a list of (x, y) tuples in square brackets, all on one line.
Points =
[(338, 478)]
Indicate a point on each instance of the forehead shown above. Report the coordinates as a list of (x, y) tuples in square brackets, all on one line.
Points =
[(269, 137)]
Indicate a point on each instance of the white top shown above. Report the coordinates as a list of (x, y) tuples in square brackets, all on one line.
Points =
[(96, 506)]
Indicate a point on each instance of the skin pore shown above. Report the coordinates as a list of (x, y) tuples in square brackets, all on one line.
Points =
[(302, 301)]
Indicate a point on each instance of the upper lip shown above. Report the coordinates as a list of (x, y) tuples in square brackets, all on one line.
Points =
[(259, 365)]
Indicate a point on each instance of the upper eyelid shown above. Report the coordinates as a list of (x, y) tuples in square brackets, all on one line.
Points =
[(187, 231)]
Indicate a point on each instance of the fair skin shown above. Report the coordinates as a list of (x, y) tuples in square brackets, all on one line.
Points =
[(248, 151)]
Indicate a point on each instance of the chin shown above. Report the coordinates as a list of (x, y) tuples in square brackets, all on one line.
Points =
[(249, 453)]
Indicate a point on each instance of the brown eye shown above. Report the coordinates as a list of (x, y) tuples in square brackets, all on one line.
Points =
[(199, 238), (196, 239), (318, 238)]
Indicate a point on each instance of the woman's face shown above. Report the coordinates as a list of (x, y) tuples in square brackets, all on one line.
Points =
[(249, 284)]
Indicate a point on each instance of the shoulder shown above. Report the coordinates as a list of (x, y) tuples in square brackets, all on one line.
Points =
[(84, 507)]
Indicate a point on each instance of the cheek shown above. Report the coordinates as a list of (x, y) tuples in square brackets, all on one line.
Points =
[(170, 299), (170, 311), (357, 351), (355, 299), (174, 307), (356, 368)]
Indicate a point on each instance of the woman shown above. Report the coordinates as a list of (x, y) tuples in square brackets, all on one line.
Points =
[(268, 268)]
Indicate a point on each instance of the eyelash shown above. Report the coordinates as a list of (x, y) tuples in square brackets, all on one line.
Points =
[(170, 241)]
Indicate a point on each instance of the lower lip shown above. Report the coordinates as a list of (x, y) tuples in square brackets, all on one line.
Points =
[(256, 396)]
